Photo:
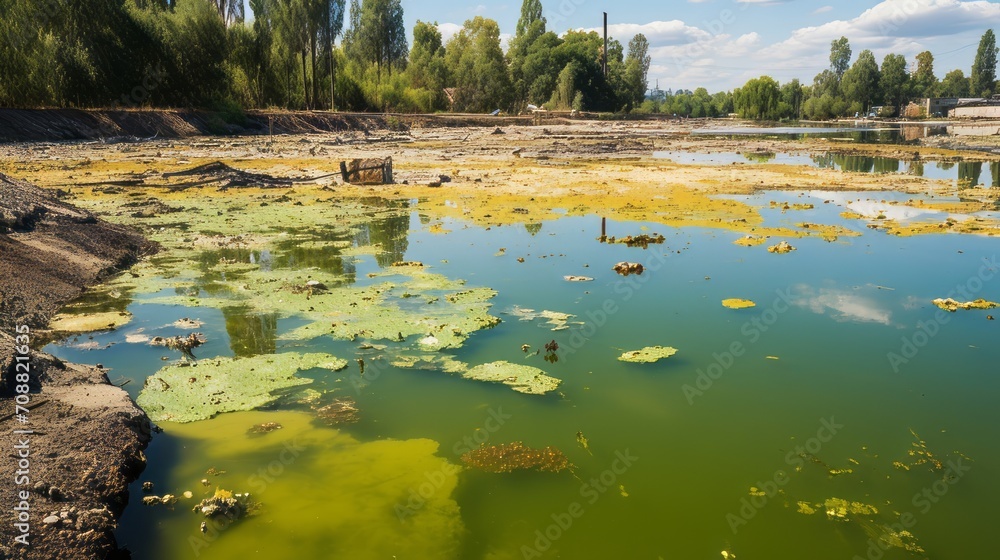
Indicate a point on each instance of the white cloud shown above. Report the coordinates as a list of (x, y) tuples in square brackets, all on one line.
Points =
[(890, 25), (448, 30), (658, 33), (685, 56), (505, 40)]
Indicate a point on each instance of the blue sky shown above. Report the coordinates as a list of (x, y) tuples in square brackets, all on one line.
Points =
[(719, 44)]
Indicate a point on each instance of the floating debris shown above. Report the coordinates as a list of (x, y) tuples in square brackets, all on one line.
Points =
[(559, 321), (340, 411), (839, 509), (737, 303), (648, 354), (782, 247), (787, 206), (952, 305), (137, 337), (225, 503), (265, 428), (183, 343), (521, 378), (807, 508), (921, 455), (621, 490), (408, 263), (572, 278), (443, 362), (186, 323), (642, 240), (750, 240), (625, 268), (582, 440), (89, 323), (185, 394), (509, 457)]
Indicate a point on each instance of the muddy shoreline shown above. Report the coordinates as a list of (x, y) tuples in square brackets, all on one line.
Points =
[(87, 435)]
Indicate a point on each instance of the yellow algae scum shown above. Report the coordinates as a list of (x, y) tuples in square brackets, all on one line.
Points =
[(366, 500), (530, 175)]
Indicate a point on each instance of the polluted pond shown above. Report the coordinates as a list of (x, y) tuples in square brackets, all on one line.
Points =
[(379, 387)]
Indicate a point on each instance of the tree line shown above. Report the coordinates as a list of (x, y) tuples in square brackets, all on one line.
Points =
[(301, 54), (847, 89), (326, 54)]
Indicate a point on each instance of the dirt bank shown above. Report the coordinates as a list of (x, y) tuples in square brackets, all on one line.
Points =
[(52, 125), (88, 436)]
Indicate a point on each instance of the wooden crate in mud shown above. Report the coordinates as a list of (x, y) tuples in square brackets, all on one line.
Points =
[(367, 171)]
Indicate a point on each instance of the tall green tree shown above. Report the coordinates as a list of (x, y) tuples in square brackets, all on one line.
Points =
[(924, 80), (477, 67), (861, 81), (840, 56), (541, 68), (293, 25), (637, 69), (894, 81), (382, 36), (984, 69), (954, 84), (597, 92), (758, 99), (329, 17), (231, 11), (791, 96), (530, 26), (427, 69)]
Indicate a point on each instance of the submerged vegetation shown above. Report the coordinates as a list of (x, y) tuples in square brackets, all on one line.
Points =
[(509, 457)]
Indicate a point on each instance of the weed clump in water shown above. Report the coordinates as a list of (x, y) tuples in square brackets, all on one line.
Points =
[(509, 457)]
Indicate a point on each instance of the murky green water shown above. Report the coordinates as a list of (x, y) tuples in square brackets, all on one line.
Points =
[(843, 356)]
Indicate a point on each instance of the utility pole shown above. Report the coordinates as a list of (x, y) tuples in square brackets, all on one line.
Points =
[(604, 57)]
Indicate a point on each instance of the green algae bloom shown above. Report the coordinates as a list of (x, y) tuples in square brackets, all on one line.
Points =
[(521, 378), (189, 393), (648, 354)]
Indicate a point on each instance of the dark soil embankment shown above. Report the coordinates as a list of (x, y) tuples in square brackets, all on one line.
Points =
[(88, 436), (53, 125)]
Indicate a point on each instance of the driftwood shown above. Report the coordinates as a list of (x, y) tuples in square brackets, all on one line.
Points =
[(367, 171)]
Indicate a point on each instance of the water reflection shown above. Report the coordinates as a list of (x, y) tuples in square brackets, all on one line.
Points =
[(390, 234), (861, 134), (251, 334), (858, 164), (842, 305), (968, 173)]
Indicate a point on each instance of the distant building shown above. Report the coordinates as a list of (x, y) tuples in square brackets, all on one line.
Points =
[(988, 108)]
